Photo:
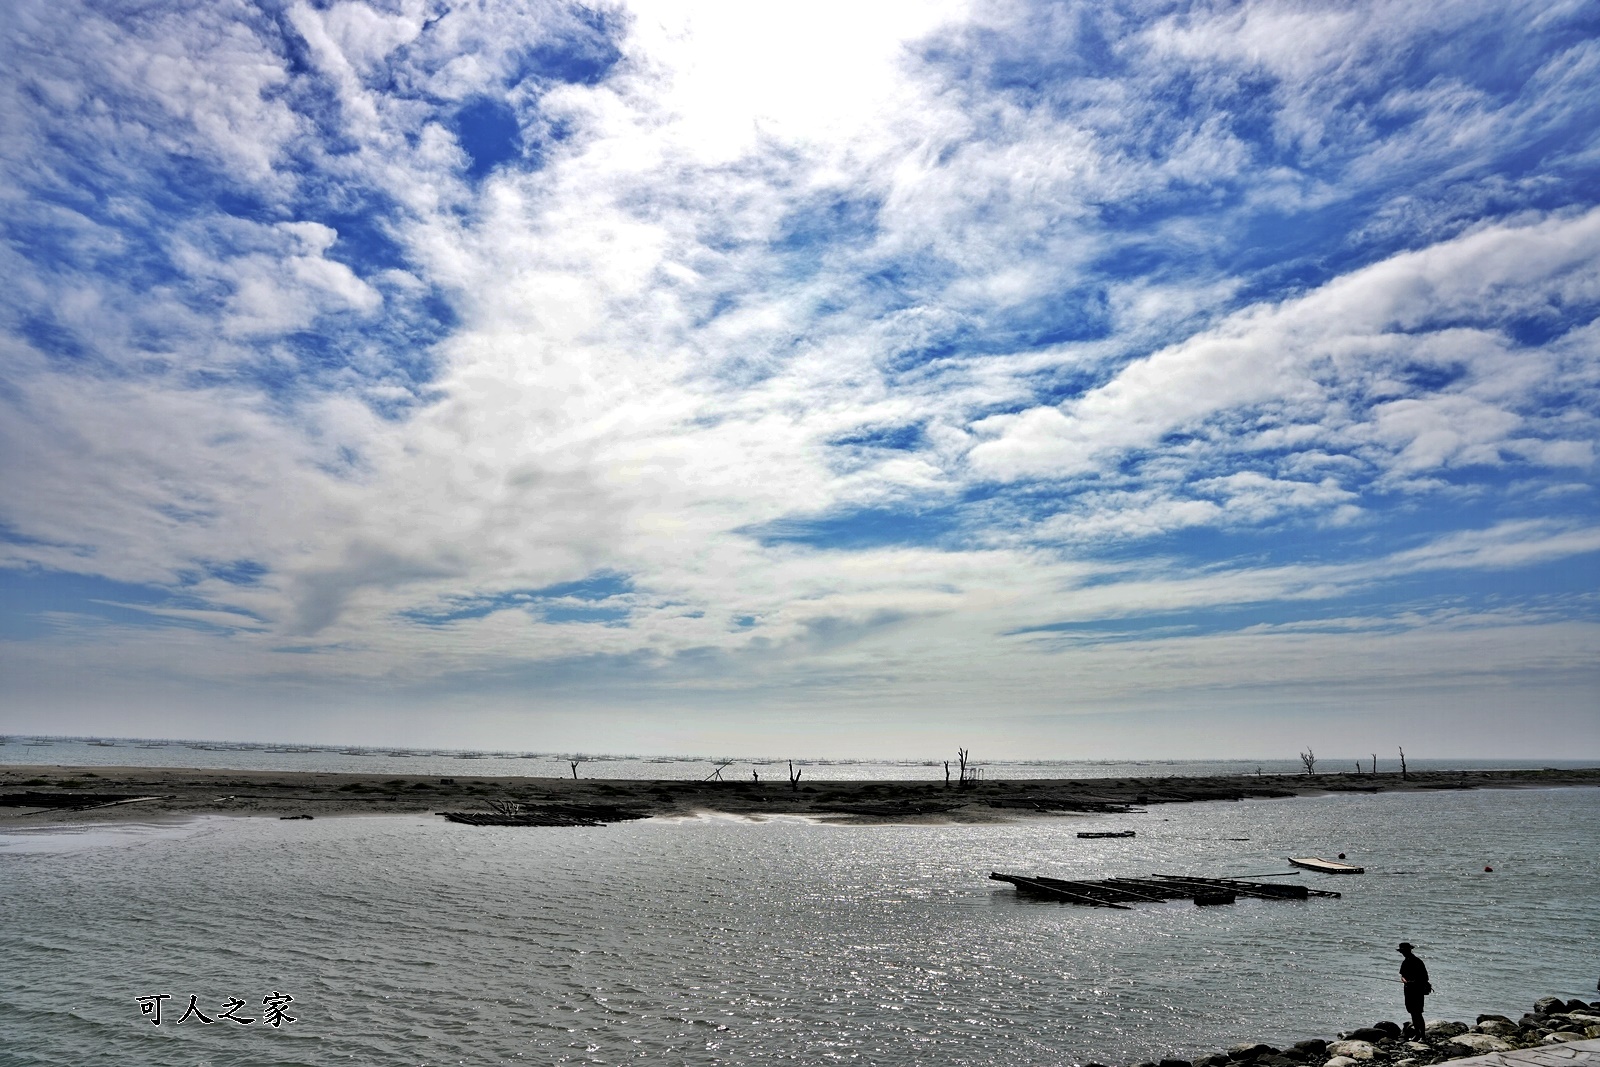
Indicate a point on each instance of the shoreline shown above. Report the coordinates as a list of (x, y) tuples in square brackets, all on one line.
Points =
[(142, 793)]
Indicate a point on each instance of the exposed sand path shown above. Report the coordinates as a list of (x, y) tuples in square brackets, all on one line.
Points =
[(183, 791)]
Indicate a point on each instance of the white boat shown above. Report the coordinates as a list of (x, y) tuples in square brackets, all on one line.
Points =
[(1322, 866)]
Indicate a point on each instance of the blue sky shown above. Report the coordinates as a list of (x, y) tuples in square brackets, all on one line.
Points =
[(1074, 380)]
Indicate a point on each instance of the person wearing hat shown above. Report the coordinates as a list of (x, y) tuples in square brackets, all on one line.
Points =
[(1414, 975)]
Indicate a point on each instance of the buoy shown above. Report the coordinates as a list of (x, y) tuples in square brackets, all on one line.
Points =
[(1341, 855), (1488, 870)]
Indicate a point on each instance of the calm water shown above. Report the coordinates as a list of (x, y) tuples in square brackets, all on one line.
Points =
[(217, 755), (407, 940)]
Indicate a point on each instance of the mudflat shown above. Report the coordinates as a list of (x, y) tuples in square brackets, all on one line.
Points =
[(37, 794)]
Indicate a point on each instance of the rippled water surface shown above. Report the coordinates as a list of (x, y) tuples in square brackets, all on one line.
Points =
[(408, 940)]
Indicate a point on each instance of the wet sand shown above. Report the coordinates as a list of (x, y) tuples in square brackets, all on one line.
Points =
[(182, 792)]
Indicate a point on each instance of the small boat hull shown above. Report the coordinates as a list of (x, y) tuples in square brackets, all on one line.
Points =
[(1322, 866)]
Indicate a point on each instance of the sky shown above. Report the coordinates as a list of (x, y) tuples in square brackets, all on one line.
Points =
[(1065, 380)]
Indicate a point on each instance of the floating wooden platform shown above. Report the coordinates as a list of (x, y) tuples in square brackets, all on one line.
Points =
[(1322, 866), (1105, 833), (1121, 892), (566, 815)]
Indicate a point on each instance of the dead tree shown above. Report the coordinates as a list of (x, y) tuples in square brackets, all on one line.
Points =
[(1403, 763), (947, 772), (575, 763), (508, 807), (794, 776), (1374, 763), (1309, 758), (967, 771)]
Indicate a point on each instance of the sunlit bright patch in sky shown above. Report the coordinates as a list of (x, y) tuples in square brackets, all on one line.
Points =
[(817, 379)]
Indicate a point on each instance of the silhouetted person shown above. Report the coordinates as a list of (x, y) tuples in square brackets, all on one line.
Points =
[(1414, 974)]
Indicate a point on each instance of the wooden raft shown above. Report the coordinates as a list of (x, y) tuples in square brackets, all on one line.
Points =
[(1121, 892), (565, 815)]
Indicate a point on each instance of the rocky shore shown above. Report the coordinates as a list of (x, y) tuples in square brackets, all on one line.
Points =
[(1552, 1021)]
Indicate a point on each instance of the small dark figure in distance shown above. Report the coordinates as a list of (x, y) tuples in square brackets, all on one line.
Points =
[(1414, 974)]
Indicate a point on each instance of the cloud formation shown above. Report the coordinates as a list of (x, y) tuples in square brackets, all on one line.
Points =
[(740, 363)]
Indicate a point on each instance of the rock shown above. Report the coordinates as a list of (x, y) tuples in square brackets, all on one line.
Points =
[(1561, 1037), (1277, 1059), (1418, 1046), (1549, 1005), (1586, 1017), (1577, 1005), (1446, 1028), (1392, 1029), (1353, 1048), (1249, 1051), (1371, 1033), (1481, 1043), (1340, 1061), (1175, 1063), (1312, 1048), (1498, 1027), (1216, 1059), (1497, 1018)]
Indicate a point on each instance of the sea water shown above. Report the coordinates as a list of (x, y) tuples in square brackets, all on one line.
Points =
[(327, 759), (410, 940)]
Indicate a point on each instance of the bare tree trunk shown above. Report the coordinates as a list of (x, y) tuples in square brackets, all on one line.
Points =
[(1309, 758), (574, 768), (1403, 764)]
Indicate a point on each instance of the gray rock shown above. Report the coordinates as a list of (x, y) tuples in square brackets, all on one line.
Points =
[(1418, 1046), (1549, 1005), (1371, 1033), (1497, 1018), (1340, 1061), (1392, 1029), (1498, 1027), (1312, 1047), (1446, 1028), (1481, 1043), (1216, 1059), (1353, 1048), (1577, 1005), (1175, 1063), (1561, 1037)]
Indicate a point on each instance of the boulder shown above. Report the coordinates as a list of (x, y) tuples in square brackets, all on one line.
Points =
[(1248, 1051), (1174, 1063), (1481, 1043), (1497, 1018), (1577, 1005), (1586, 1017), (1498, 1027), (1312, 1047), (1561, 1037), (1340, 1061), (1418, 1046), (1446, 1028), (1371, 1033), (1216, 1059), (1549, 1005), (1392, 1029), (1353, 1048)]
